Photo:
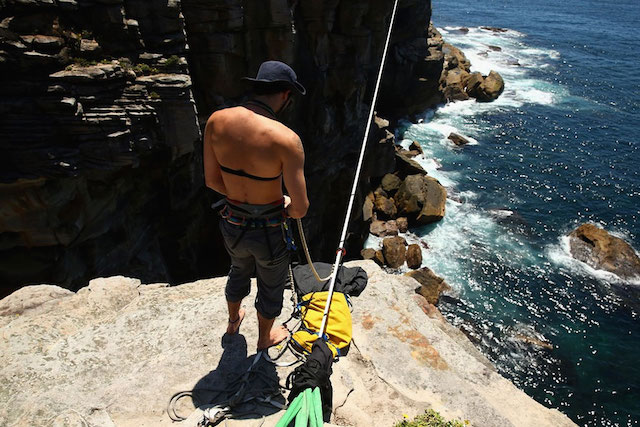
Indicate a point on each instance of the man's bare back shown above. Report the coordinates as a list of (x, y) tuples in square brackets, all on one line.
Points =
[(242, 139)]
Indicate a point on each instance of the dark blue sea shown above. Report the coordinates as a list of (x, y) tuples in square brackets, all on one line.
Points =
[(560, 147)]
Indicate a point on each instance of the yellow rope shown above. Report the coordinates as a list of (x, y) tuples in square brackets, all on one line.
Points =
[(306, 253)]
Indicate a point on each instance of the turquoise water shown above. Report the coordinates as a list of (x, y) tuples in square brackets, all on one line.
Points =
[(557, 149)]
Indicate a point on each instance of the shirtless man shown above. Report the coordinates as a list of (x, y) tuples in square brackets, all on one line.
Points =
[(248, 154)]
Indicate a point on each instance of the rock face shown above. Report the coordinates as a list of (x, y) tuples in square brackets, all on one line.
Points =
[(102, 167), (116, 351), (102, 171), (599, 249)]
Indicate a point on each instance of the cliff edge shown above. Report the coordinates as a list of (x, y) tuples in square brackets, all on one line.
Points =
[(115, 352)]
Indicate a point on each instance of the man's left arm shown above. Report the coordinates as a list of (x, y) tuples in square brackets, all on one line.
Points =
[(212, 172)]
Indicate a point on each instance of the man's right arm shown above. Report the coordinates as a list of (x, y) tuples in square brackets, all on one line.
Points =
[(293, 175)]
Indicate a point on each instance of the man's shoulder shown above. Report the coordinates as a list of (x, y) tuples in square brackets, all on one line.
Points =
[(285, 134), (226, 113)]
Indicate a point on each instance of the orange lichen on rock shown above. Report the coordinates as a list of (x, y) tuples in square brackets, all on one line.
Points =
[(368, 321), (421, 348)]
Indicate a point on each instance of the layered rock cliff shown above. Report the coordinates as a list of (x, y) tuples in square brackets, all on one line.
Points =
[(114, 353), (103, 102)]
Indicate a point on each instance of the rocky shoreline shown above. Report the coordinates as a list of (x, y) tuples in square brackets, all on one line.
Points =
[(407, 196)]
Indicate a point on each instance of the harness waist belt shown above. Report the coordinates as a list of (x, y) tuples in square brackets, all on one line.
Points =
[(254, 216)]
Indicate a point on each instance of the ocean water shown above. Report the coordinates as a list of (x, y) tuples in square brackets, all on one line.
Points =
[(559, 148)]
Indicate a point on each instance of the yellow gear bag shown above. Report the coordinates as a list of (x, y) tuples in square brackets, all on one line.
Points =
[(338, 330)]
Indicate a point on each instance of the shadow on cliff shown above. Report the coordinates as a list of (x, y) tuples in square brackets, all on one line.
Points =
[(219, 385)]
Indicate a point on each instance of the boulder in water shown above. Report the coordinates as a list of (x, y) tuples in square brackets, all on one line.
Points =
[(394, 251), (599, 249), (422, 199), (403, 224), (492, 86), (382, 228), (457, 139), (406, 165), (432, 285), (415, 146), (495, 29), (414, 256), (390, 183), (385, 206), (485, 89)]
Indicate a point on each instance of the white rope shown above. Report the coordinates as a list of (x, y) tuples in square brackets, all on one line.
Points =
[(354, 187)]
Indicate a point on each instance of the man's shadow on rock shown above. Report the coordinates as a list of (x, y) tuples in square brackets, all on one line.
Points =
[(236, 376)]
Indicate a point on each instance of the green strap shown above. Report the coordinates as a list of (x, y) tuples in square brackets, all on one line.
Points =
[(306, 408), (312, 409), (292, 411), (317, 405), (302, 419)]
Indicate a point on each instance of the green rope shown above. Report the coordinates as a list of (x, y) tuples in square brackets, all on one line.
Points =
[(302, 419), (317, 406), (306, 409), (292, 411)]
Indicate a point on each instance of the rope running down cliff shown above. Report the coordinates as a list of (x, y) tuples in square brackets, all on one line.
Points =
[(340, 252)]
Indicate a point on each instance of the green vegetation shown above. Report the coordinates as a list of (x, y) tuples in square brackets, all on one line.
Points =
[(83, 62), (172, 61), (431, 418), (154, 95), (139, 69), (86, 34), (144, 70)]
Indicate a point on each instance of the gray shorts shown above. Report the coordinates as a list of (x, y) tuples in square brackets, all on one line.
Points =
[(260, 252)]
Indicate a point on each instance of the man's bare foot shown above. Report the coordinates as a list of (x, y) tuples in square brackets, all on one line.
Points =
[(234, 324), (276, 336)]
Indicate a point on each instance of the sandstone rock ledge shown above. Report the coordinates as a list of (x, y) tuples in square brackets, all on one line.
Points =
[(115, 351)]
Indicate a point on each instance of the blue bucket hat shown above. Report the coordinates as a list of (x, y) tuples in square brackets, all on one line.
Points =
[(276, 71)]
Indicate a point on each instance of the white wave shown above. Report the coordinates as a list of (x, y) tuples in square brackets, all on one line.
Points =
[(560, 254), (501, 213), (535, 96)]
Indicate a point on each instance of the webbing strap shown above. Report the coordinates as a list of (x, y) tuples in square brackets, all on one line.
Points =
[(354, 187)]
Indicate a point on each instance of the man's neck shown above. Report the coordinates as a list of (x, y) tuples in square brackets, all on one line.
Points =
[(265, 105)]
